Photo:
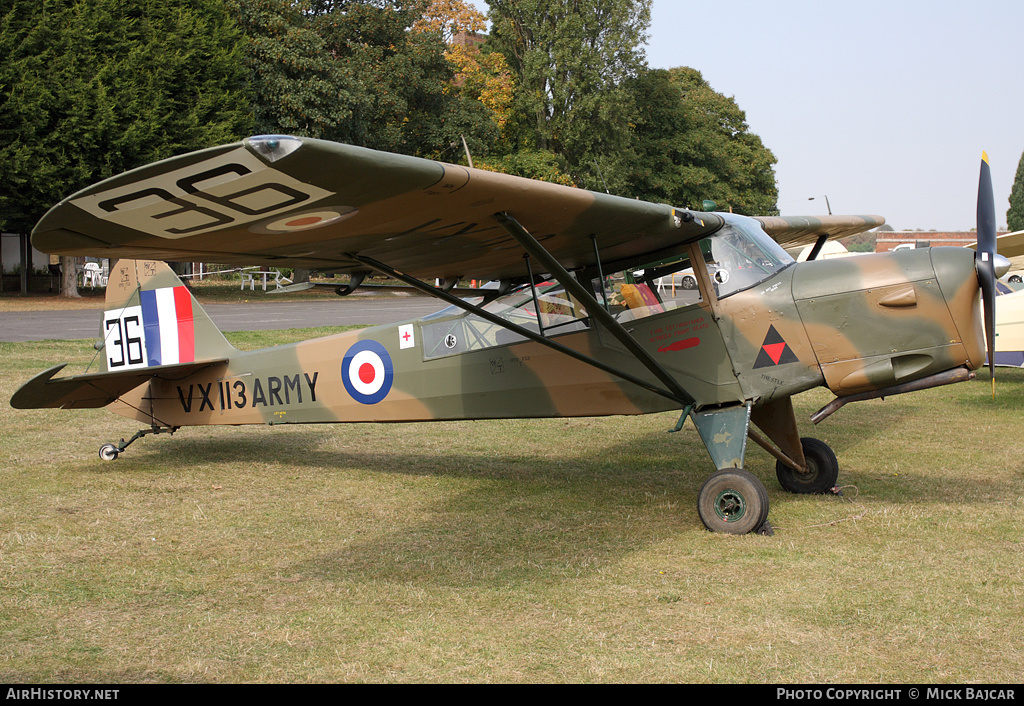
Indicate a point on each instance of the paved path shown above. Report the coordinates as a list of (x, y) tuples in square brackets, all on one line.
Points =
[(41, 325)]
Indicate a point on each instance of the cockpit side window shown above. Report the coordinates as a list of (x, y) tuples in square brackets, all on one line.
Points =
[(654, 289), (559, 313)]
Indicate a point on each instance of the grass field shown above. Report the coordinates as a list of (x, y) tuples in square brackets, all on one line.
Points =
[(510, 551)]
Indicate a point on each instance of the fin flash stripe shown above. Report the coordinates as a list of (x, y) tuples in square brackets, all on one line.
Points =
[(169, 325)]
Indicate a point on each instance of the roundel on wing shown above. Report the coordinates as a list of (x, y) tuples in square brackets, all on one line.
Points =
[(305, 221), (367, 372)]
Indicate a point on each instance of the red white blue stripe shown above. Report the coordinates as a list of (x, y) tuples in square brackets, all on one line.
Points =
[(169, 326)]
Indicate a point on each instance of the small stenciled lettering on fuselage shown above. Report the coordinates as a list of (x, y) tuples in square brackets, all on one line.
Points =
[(499, 365), (677, 336), (248, 392)]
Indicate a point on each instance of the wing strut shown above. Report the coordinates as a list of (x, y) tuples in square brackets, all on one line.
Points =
[(573, 287), (816, 250), (526, 333)]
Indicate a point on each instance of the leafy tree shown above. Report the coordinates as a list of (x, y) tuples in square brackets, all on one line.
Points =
[(532, 164), (353, 71), (295, 87), (1015, 216), (478, 76), (571, 59), (691, 143), (92, 89)]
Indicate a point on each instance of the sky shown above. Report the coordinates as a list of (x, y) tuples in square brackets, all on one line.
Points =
[(883, 106)]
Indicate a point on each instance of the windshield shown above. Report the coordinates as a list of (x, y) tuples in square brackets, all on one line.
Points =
[(741, 255)]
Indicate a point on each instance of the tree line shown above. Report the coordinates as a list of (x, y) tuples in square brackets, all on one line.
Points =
[(553, 89), (1015, 215)]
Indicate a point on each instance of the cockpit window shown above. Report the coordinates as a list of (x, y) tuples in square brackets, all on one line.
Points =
[(560, 313), (737, 257), (741, 255), (653, 289)]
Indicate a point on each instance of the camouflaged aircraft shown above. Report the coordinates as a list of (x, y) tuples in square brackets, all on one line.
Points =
[(588, 317)]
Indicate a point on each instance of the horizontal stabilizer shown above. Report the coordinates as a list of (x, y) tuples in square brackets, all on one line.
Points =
[(94, 389)]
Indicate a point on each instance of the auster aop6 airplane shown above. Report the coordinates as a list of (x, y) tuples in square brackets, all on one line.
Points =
[(582, 322)]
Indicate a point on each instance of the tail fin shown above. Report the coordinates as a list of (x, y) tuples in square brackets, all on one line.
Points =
[(152, 327), (152, 319)]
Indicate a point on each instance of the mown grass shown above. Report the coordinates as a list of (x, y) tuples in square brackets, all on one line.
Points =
[(564, 550)]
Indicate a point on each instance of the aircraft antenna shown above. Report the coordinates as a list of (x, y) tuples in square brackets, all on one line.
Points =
[(601, 176)]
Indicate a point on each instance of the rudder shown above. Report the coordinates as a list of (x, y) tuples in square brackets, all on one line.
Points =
[(151, 319)]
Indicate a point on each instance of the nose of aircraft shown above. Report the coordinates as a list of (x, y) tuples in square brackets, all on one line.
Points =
[(887, 319), (955, 272)]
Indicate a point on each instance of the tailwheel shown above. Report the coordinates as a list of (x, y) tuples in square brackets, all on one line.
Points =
[(734, 501), (822, 469), (109, 452)]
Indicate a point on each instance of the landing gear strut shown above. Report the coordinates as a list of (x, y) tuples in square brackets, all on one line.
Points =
[(109, 452)]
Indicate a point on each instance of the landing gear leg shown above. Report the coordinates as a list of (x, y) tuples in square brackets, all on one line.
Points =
[(731, 500), (109, 452)]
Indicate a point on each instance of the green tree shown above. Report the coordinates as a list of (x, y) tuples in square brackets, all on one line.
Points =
[(89, 89), (1015, 216), (690, 143), (571, 59), (353, 71)]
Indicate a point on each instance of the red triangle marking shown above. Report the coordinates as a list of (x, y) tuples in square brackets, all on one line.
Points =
[(774, 350)]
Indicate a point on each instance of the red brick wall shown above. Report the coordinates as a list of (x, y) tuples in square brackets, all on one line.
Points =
[(887, 240)]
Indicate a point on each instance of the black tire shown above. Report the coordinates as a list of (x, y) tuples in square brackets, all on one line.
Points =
[(733, 501), (821, 463), (108, 452)]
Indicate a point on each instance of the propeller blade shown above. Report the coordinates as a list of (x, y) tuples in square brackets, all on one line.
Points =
[(985, 260)]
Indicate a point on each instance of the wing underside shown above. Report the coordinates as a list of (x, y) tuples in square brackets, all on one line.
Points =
[(320, 204)]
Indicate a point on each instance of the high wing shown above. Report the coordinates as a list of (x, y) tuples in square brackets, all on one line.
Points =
[(310, 203), (301, 202), (794, 231)]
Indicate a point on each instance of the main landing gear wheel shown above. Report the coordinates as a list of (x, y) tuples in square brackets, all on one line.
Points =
[(108, 452), (822, 466), (733, 501)]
